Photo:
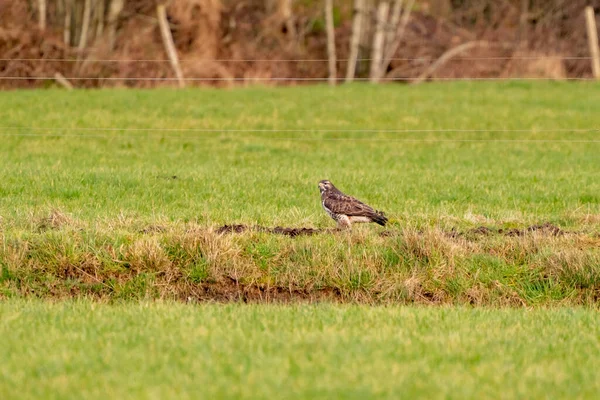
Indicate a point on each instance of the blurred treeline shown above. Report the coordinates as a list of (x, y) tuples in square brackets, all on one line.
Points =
[(223, 42)]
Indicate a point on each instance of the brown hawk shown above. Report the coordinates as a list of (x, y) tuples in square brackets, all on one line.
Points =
[(346, 209)]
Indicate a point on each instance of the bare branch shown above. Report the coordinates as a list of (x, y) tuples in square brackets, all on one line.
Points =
[(393, 47), (100, 7), (161, 13), (355, 39), (447, 56), (67, 26), (393, 25), (63, 81), (330, 42), (116, 6), (42, 14), (378, 41), (85, 26)]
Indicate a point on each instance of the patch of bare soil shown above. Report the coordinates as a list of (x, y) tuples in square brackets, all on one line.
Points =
[(278, 230), (482, 230), (546, 228), (295, 231)]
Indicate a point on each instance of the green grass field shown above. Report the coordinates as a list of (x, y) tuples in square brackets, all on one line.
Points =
[(112, 199), (99, 199), (89, 350), (264, 177)]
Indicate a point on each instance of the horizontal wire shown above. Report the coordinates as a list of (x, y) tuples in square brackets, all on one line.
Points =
[(347, 139), (295, 59), (312, 130), (280, 79)]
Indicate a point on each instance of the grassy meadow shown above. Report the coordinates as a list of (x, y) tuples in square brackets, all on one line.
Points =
[(156, 350), (492, 190)]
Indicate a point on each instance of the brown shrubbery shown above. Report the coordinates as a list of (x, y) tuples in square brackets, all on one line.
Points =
[(209, 34)]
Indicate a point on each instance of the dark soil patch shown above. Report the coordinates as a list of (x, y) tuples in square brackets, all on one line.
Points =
[(482, 230), (511, 232), (278, 230), (293, 232), (453, 233), (232, 229), (545, 228)]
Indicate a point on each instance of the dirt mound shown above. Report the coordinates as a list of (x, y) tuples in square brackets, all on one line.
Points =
[(294, 231), (232, 229), (545, 228), (278, 230), (481, 230)]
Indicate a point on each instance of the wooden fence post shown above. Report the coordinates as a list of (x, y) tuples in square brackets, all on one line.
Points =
[(592, 32)]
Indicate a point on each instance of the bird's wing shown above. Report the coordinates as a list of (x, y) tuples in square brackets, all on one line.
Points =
[(347, 205)]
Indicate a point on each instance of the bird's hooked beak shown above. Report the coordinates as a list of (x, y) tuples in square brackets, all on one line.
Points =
[(323, 186)]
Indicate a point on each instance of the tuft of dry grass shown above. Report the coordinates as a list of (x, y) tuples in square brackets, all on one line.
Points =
[(55, 220)]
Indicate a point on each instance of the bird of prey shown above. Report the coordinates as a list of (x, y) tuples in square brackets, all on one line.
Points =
[(346, 209)]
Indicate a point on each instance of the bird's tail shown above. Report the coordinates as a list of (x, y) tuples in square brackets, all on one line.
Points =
[(379, 218)]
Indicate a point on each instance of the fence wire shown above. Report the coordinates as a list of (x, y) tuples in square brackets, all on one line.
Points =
[(290, 138), (283, 79), (186, 60)]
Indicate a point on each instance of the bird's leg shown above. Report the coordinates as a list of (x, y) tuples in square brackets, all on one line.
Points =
[(344, 223)]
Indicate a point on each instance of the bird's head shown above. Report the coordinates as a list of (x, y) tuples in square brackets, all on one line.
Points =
[(325, 185)]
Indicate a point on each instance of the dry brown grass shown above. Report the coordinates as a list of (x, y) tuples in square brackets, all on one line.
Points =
[(54, 220), (60, 258)]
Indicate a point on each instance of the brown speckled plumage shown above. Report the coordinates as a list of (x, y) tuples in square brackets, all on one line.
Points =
[(346, 209)]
